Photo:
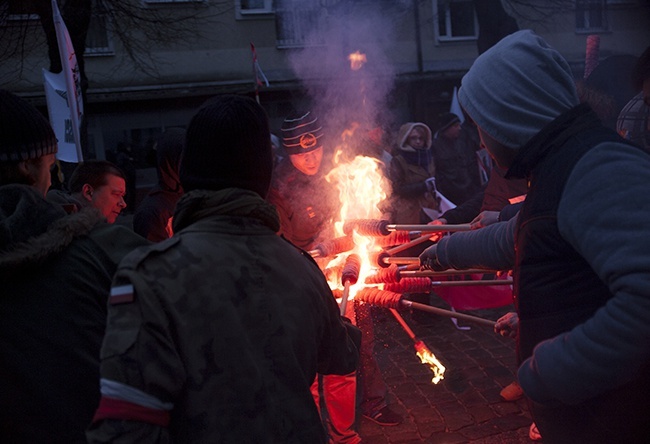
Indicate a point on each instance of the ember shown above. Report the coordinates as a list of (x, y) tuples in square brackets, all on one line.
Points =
[(357, 60)]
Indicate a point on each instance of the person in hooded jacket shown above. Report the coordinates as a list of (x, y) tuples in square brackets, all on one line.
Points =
[(581, 268), (412, 175), (154, 215), (216, 334), (56, 271)]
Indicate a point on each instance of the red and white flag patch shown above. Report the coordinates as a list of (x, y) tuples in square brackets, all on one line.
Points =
[(122, 294)]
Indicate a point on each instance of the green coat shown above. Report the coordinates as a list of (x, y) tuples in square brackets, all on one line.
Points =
[(225, 330)]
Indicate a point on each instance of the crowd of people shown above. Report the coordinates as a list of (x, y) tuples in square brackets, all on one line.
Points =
[(209, 321)]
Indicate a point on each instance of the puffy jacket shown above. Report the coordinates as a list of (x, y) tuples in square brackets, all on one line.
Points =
[(56, 273)]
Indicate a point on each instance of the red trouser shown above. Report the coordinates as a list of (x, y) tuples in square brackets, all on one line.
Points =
[(339, 400)]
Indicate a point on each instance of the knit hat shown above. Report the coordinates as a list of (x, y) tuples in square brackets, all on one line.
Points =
[(301, 133), (517, 87), (26, 134), (446, 120), (228, 145)]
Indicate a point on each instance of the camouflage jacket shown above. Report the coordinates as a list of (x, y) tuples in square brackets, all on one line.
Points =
[(55, 275), (217, 333)]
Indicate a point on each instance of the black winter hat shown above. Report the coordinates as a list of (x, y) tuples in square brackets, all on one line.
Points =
[(228, 145), (24, 132), (446, 120), (301, 133)]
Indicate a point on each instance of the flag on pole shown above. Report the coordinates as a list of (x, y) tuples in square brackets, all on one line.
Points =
[(63, 95), (258, 74), (455, 106)]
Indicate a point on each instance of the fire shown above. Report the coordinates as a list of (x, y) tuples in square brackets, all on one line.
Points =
[(361, 187), (357, 60), (428, 358)]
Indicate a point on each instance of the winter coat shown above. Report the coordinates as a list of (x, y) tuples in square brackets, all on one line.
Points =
[(408, 171), (307, 205), (219, 331), (490, 248), (582, 268), (56, 272), (581, 282)]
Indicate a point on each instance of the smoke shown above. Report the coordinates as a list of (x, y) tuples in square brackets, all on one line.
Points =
[(341, 95)]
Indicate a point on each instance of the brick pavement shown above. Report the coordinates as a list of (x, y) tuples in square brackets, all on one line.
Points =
[(463, 408)]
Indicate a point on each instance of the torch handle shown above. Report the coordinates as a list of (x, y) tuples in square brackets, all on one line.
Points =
[(471, 283), (448, 313), (428, 228), (344, 298), (403, 323), (401, 260), (451, 272), (406, 246)]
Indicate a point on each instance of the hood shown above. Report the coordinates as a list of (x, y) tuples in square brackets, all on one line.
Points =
[(405, 130), (517, 87), (168, 157), (32, 229)]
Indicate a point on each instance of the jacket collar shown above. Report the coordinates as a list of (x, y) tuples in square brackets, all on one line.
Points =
[(550, 138)]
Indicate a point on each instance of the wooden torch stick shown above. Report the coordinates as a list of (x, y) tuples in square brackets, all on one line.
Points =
[(447, 313), (346, 295), (403, 323), (428, 228), (406, 246)]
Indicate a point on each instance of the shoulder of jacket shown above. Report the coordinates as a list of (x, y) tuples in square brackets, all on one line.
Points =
[(139, 255)]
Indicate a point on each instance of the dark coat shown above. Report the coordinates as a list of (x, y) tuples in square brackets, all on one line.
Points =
[(306, 205), (581, 282), (56, 272)]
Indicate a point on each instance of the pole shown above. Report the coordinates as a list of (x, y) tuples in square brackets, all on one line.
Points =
[(447, 313)]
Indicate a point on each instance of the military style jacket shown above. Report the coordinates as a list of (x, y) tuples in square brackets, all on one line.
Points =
[(216, 334)]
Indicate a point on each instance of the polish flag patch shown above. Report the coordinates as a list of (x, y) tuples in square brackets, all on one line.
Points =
[(122, 294)]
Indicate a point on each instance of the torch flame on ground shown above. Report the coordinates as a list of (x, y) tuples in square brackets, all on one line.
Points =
[(428, 358)]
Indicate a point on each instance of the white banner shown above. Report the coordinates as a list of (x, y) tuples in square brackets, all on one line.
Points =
[(66, 87), (57, 108)]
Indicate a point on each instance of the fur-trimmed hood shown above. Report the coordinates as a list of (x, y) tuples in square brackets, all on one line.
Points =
[(404, 132), (32, 229)]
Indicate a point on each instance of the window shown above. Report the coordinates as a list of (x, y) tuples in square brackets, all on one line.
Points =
[(591, 15), (252, 8), (20, 10), (297, 23), (456, 20), (98, 41)]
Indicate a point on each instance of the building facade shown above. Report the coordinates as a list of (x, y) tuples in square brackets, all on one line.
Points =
[(146, 76)]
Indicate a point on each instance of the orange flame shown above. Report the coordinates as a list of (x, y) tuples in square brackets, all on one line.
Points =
[(428, 358), (357, 60), (361, 187)]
